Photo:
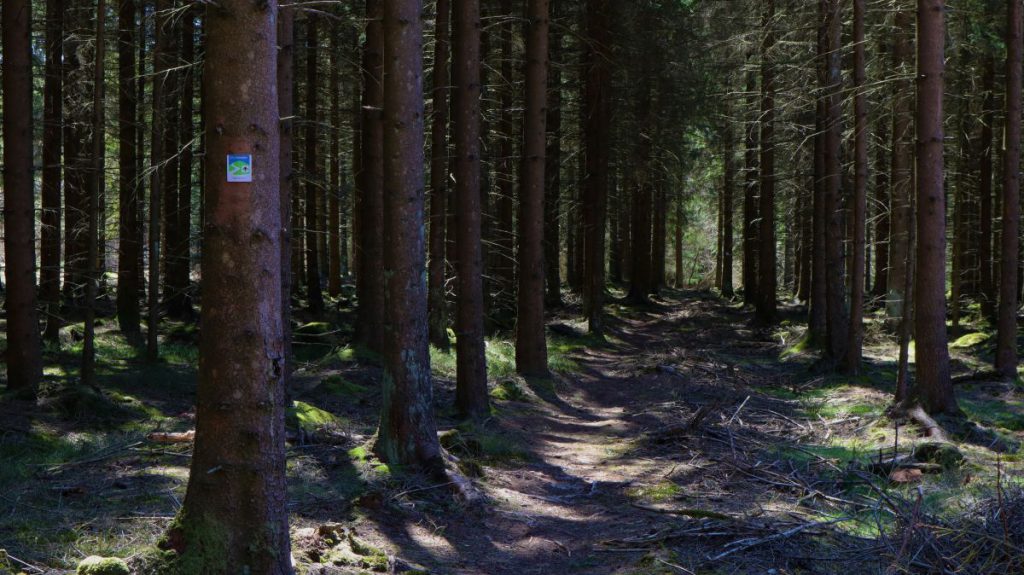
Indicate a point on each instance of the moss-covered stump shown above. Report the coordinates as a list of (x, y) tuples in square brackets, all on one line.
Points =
[(944, 454), (96, 565)]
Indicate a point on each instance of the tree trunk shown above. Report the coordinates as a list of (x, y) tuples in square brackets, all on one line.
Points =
[(371, 279), (766, 266), (987, 278), (23, 358), (660, 239), (471, 387), (852, 359), (285, 111), (334, 191), (407, 433), (931, 352), (901, 178), (179, 304), (596, 129), (237, 477), (314, 295), (837, 322), (728, 184), (817, 323), (49, 249), (162, 62), (88, 373), (750, 195), (531, 345), (553, 174), (172, 233), (1006, 342), (439, 178)]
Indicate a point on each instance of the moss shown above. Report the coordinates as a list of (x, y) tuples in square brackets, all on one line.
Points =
[(664, 491), (96, 565), (196, 545), (509, 390), (338, 385), (944, 454), (310, 418), (970, 340)]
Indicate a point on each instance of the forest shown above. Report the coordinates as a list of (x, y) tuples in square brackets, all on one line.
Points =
[(485, 287)]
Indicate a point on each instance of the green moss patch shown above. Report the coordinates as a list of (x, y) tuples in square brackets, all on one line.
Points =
[(96, 565)]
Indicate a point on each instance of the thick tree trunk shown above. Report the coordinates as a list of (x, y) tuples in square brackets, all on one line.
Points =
[(371, 219), (23, 358), (852, 359), (237, 477), (407, 433), (931, 353), (766, 266), (531, 345), (596, 129), (439, 178), (49, 249), (285, 112), (1006, 342), (471, 387)]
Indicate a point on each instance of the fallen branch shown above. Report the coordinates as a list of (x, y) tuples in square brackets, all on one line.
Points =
[(693, 513), (744, 544)]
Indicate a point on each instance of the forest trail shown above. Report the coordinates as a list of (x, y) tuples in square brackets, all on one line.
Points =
[(662, 422)]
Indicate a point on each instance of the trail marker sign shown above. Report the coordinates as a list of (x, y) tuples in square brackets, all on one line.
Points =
[(239, 167)]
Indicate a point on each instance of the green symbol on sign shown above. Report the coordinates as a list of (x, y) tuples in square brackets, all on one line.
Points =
[(239, 168)]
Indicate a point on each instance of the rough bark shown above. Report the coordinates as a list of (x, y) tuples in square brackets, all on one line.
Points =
[(766, 265), (531, 345), (852, 359), (314, 294), (23, 359), (553, 174), (237, 477), (334, 191), (471, 387), (161, 63), (370, 290), (986, 279), (750, 195), (837, 320), (407, 433), (1006, 340), (901, 173), (597, 124), (934, 385), (285, 111), (728, 184)]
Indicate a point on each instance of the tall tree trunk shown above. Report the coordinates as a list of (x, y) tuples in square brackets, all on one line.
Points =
[(837, 321), (817, 324), (314, 294), (660, 238), (88, 373), (439, 178), (987, 278), (766, 266), (1006, 342), (932, 353), (728, 184), (553, 173), (285, 112), (76, 160), (880, 285), (371, 279), (851, 363), (23, 358), (531, 345), (49, 249), (179, 304), (172, 99), (679, 281), (596, 129), (237, 477), (407, 433), (750, 197), (162, 62), (901, 178), (471, 386), (334, 191)]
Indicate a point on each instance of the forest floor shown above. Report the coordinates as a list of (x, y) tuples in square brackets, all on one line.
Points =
[(687, 441)]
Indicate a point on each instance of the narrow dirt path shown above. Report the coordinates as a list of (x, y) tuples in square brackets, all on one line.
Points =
[(611, 456)]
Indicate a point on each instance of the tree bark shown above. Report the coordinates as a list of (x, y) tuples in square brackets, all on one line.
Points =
[(531, 345), (766, 267), (161, 64), (335, 191), (931, 353), (901, 178), (286, 111), (439, 178), (237, 476), (986, 279), (1006, 341), (837, 321), (371, 279), (407, 433), (854, 352), (179, 303), (471, 387), (24, 360), (314, 294), (728, 184), (49, 249), (553, 173), (750, 197), (597, 124)]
